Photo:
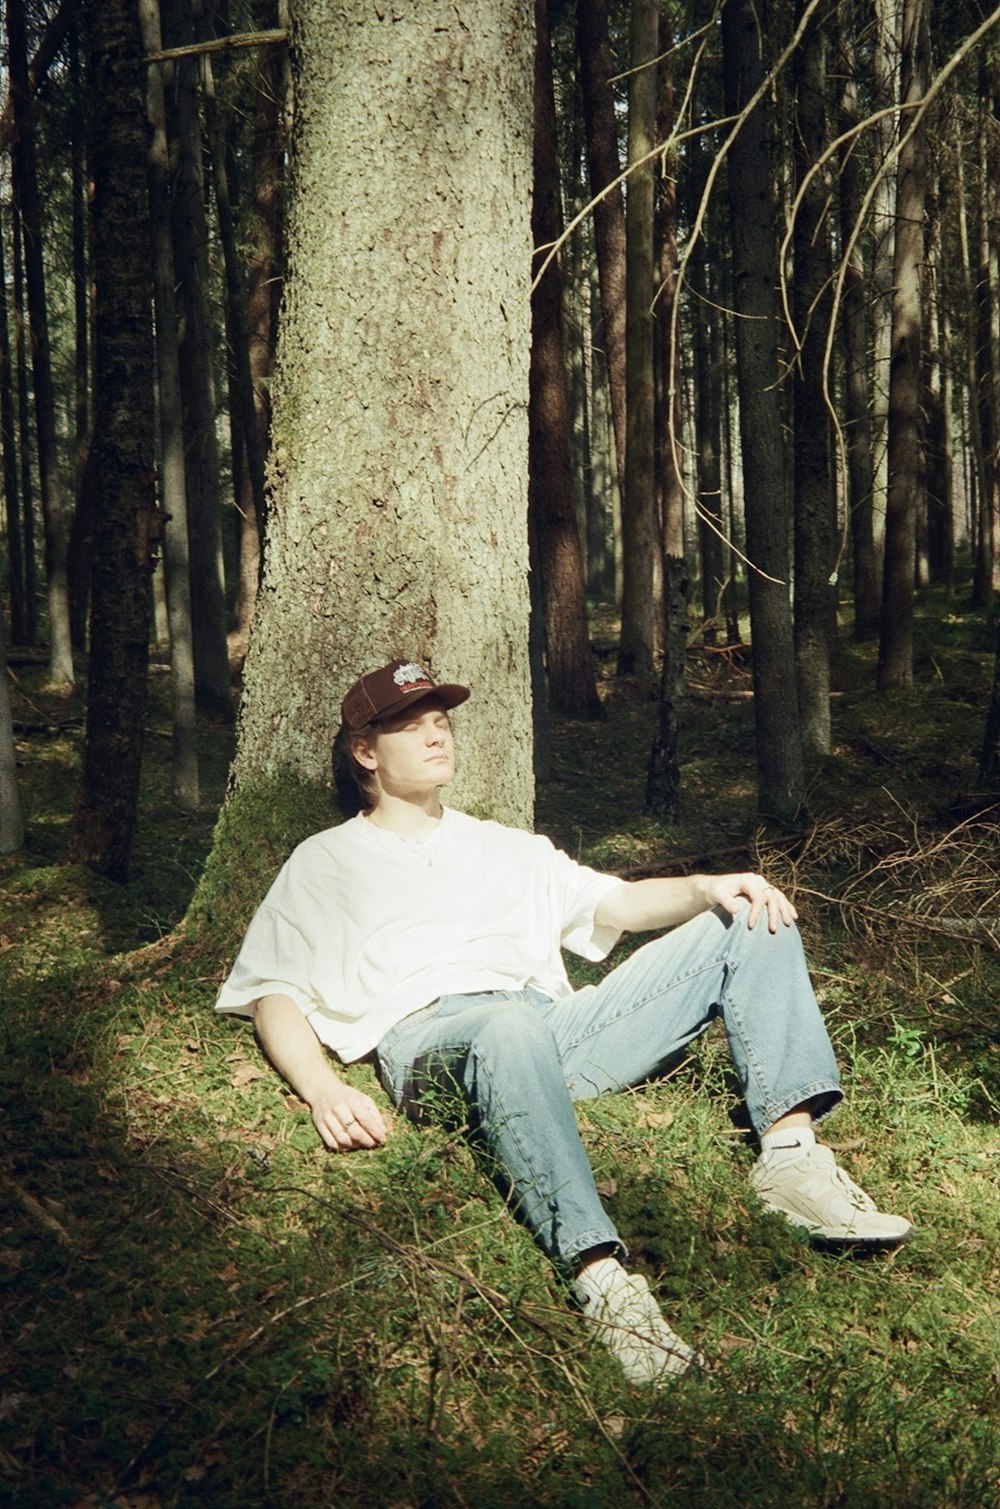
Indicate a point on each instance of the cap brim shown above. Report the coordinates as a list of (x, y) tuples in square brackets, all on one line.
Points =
[(450, 695)]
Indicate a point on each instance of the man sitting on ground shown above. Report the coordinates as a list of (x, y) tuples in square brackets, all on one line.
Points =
[(432, 941)]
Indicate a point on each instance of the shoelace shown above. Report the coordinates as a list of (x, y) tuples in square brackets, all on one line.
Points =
[(854, 1192)]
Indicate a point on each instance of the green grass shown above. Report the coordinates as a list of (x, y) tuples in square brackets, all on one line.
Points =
[(200, 1306)]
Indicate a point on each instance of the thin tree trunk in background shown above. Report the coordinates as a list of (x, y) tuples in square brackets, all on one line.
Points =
[(987, 556), (707, 391), (172, 431), (571, 684), (885, 70), (639, 527), (859, 444), (263, 297), (123, 445), (604, 166), (937, 403), (780, 771), (195, 297), (23, 436), (663, 770), (236, 305), (8, 453), (976, 481), (25, 172), (81, 532), (604, 499), (989, 758), (812, 461), (895, 666), (11, 815)]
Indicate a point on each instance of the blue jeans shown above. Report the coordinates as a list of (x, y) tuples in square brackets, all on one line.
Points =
[(517, 1060)]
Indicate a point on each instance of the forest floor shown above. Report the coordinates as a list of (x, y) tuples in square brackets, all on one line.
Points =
[(200, 1306)]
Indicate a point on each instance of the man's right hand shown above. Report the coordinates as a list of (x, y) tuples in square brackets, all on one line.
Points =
[(344, 1117)]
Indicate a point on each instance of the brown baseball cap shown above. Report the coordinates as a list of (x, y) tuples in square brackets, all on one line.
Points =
[(382, 693)]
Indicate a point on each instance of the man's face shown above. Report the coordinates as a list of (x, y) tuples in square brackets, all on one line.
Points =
[(413, 752)]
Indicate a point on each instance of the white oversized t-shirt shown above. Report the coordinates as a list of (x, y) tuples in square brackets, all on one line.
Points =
[(360, 928)]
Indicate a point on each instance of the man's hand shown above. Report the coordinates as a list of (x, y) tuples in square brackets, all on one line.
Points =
[(637, 906), (344, 1117), (347, 1118), (764, 899)]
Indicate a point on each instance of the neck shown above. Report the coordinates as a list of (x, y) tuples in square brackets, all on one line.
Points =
[(407, 818)]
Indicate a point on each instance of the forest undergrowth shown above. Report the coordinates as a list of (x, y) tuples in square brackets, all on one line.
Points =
[(200, 1306)]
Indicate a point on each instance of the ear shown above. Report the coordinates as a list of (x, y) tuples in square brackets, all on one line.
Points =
[(364, 753)]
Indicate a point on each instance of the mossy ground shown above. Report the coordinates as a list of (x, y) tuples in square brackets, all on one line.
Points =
[(199, 1306)]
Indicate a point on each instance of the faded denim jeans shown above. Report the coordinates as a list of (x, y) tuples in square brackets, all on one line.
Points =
[(517, 1060)]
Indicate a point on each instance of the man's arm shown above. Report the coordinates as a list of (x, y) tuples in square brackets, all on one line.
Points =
[(637, 906), (345, 1118)]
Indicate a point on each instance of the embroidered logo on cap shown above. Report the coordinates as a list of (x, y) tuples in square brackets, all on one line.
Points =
[(410, 677)]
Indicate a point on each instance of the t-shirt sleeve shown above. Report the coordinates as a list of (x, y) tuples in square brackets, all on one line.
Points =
[(274, 959), (583, 891)]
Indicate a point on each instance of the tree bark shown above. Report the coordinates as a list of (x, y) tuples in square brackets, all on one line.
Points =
[(263, 298), (604, 167), (11, 488), (780, 772), (11, 815), (663, 773), (859, 441), (60, 642), (172, 431), (639, 527), (885, 81), (81, 534), (572, 686), (989, 759), (398, 476), (195, 298), (940, 525), (895, 665), (20, 363), (812, 460), (706, 389), (987, 393), (122, 445)]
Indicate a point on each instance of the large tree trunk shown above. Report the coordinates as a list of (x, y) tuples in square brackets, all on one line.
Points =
[(604, 167), (122, 444), (639, 526), (812, 468), (25, 174), (572, 687), (780, 772), (398, 474), (895, 667)]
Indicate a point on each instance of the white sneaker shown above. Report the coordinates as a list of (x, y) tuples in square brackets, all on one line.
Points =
[(626, 1319), (812, 1192)]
